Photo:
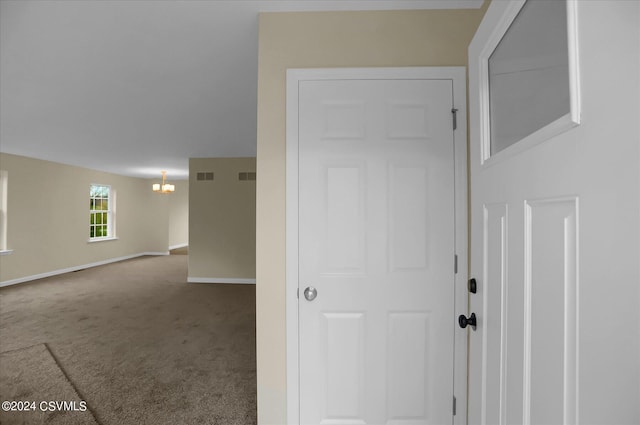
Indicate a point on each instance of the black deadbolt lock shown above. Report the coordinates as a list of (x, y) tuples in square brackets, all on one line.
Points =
[(473, 286)]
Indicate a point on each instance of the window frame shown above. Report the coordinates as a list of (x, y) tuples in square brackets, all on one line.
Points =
[(560, 125), (110, 213), (4, 226)]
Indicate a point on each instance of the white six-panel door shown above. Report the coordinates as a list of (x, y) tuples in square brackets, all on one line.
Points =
[(376, 241)]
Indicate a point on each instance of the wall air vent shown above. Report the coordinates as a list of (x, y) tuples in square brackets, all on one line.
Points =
[(204, 176), (247, 176)]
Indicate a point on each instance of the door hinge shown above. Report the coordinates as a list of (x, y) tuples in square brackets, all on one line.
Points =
[(454, 111), (454, 405), (455, 263)]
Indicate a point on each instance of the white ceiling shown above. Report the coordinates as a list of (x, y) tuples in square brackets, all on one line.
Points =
[(134, 87)]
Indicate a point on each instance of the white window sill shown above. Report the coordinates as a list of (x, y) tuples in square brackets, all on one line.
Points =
[(102, 239), (6, 251)]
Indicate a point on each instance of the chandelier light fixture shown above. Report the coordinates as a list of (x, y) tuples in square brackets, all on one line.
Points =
[(164, 187)]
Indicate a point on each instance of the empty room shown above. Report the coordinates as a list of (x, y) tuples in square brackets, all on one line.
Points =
[(320, 212)]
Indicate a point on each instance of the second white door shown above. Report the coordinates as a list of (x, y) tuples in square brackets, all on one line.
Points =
[(376, 250)]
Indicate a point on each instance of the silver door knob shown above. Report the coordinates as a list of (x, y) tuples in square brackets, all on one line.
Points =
[(310, 293)]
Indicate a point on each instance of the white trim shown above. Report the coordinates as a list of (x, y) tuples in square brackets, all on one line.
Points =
[(526, 379), (92, 240), (156, 253), (6, 251), (367, 5), (76, 268), (232, 280), (461, 293), (4, 179), (180, 245), (574, 63), (294, 77)]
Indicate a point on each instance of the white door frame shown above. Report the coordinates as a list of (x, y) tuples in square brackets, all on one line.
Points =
[(458, 77)]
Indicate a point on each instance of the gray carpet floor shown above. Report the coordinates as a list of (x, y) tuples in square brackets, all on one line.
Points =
[(133, 340)]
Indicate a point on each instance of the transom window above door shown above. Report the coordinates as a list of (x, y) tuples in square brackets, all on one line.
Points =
[(530, 76)]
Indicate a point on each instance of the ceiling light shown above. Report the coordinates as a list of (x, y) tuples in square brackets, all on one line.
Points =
[(164, 187)]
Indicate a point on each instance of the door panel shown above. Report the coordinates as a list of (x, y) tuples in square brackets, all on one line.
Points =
[(408, 217), (343, 335), (550, 309), (493, 322), (524, 244), (407, 365), (376, 239), (345, 244)]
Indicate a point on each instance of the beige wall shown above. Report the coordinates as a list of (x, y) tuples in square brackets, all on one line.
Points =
[(48, 217), (222, 220), (179, 214), (326, 39)]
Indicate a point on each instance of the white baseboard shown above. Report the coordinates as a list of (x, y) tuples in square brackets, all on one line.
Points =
[(221, 280), (76, 268), (154, 253), (180, 245)]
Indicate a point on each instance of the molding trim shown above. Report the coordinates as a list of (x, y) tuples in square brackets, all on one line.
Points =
[(231, 280), (76, 268), (301, 6), (180, 245), (154, 253)]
